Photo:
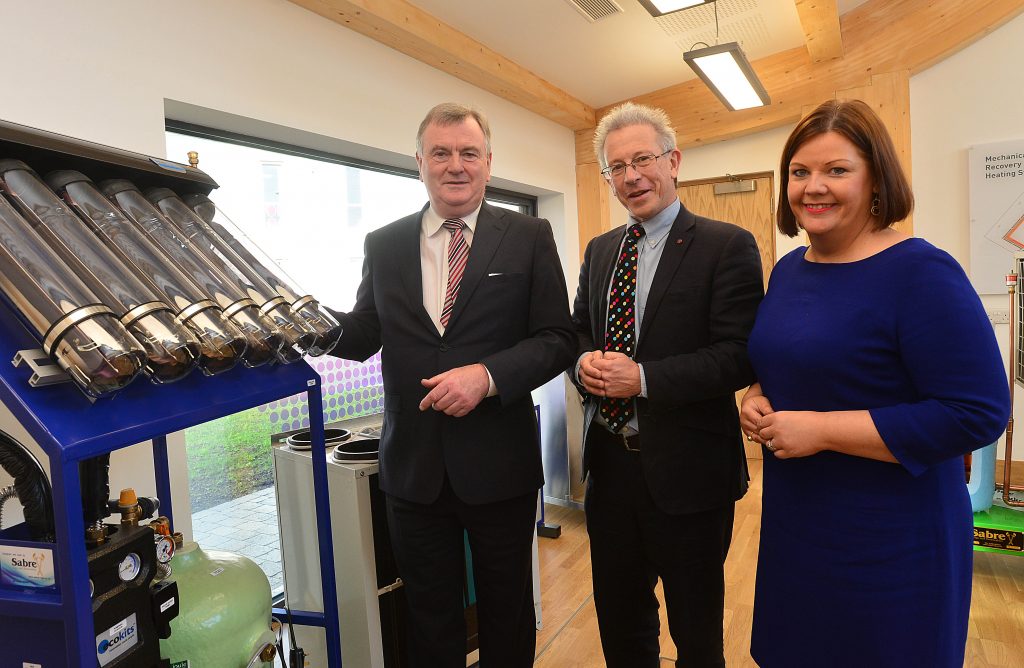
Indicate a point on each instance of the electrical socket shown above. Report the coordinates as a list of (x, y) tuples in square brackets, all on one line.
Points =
[(998, 316)]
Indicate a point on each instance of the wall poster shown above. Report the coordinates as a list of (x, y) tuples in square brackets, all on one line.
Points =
[(996, 181)]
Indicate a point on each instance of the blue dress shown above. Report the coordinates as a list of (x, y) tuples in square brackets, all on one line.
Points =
[(867, 564)]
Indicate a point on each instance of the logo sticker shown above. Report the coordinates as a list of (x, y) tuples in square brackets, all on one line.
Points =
[(26, 566), (117, 640)]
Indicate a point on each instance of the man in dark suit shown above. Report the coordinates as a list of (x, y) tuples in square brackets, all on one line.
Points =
[(662, 315), (468, 305)]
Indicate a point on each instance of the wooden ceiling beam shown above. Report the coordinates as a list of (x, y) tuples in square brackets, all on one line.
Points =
[(879, 36), (820, 21), (407, 28)]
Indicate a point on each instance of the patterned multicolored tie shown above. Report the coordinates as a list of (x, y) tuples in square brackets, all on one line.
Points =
[(458, 253), (620, 334)]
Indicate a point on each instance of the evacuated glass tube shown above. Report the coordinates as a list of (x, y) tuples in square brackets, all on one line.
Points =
[(264, 339), (253, 257), (80, 334), (221, 345), (170, 352), (299, 336)]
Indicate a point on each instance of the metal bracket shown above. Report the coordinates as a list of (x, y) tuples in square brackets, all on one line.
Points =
[(736, 186), (391, 587), (44, 371)]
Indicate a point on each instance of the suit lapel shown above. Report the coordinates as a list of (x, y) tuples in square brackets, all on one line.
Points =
[(604, 258), (490, 229), (677, 244), (410, 268)]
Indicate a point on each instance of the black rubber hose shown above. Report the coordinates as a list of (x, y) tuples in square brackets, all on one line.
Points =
[(32, 485)]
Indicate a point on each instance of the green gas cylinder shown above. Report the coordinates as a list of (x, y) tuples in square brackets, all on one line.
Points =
[(224, 612)]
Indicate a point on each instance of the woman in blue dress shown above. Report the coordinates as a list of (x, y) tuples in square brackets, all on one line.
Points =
[(877, 370)]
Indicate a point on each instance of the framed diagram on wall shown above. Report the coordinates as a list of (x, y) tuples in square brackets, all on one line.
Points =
[(996, 180)]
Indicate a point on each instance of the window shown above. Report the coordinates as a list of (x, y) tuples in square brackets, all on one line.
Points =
[(309, 211), (271, 193)]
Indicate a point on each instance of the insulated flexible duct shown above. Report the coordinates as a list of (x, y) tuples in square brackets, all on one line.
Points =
[(221, 345), (299, 336), (79, 333), (170, 351), (264, 339), (261, 265), (32, 486)]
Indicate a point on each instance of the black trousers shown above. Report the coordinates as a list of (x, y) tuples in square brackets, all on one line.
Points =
[(429, 550), (632, 544)]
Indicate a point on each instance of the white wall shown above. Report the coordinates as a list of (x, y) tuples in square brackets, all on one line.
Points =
[(104, 71)]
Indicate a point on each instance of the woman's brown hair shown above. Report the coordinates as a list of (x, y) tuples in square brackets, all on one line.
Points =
[(857, 122)]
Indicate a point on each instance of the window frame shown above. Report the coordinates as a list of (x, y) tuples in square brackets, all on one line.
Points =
[(527, 202)]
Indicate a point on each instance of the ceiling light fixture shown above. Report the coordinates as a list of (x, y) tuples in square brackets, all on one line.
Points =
[(728, 74), (661, 7)]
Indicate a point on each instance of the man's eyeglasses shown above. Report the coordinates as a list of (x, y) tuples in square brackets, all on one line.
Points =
[(618, 170)]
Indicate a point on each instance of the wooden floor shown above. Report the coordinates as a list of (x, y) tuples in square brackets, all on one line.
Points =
[(569, 637)]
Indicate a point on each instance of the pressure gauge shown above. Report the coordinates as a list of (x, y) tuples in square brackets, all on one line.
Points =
[(129, 567), (164, 549)]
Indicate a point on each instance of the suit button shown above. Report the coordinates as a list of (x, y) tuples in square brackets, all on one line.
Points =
[(444, 347)]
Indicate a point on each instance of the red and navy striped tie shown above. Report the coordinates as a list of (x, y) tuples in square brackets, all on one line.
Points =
[(458, 253), (620, 334)]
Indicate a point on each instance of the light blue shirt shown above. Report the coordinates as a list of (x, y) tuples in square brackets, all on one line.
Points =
[(650, 248)]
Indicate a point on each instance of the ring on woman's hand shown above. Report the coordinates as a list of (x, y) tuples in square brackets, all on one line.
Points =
[(771, 446), (749, 437)]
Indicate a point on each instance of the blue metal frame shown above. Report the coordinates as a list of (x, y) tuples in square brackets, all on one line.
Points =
[(69, 428)]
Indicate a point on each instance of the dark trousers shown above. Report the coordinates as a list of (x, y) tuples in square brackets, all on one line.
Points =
[(632, 544), (429, 550)]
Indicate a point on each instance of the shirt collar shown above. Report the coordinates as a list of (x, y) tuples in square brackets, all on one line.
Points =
[(657, 227), (432, 220)]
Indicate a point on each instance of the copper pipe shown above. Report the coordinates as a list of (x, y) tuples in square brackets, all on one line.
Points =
[(1011, 288)]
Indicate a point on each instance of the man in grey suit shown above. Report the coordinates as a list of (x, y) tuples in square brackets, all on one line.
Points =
[(468, 305), (662, 314)]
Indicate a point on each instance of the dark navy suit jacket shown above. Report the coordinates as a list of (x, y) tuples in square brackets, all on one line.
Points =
[(693, 347), (511, 314)]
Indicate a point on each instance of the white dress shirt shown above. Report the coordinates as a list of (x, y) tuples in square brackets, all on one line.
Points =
[(434, 241)]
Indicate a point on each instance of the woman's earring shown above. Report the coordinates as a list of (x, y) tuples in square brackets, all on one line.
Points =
[(876, 206)]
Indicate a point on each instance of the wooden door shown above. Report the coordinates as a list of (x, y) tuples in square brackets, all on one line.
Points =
[(746, 201)]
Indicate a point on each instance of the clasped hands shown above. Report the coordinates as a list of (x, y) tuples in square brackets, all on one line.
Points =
[(785, 433), (457, 391), (609, 374)]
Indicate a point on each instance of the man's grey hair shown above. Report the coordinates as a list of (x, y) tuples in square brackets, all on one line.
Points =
[(452, 113), (627, 114)]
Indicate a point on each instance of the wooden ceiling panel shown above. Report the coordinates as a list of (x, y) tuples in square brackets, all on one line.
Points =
[(820, 21)]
